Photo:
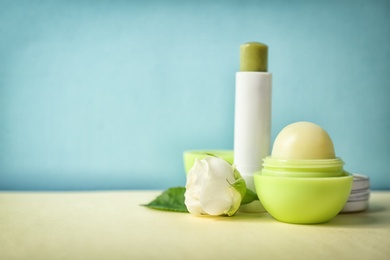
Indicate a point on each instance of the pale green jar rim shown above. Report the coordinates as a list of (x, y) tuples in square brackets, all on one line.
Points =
[(303, 168)]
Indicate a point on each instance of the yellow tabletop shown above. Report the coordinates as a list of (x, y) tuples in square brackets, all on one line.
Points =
[(112, 225)]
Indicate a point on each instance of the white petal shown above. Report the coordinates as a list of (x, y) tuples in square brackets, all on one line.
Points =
[(216, 202), (195, 180), (193, 205), (219, 168), (216, 197)]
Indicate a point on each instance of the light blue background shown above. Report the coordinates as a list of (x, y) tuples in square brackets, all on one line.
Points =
[(108, 94)]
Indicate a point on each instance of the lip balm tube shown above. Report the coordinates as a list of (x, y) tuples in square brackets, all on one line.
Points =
[(252, 119)]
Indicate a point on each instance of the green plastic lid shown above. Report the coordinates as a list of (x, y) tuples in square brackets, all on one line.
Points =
[(254, 57)]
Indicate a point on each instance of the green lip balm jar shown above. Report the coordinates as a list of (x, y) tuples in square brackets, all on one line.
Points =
[(302, 182)]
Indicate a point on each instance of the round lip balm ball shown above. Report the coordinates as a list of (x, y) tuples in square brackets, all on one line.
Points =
[(303, 141)]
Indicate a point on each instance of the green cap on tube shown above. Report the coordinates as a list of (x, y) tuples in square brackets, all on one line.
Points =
[(253, 57)]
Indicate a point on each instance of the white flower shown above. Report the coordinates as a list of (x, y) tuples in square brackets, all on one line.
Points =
[(214, 187)]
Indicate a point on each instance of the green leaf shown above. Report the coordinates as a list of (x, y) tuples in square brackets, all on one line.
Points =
[(170, 200), (249, 197)]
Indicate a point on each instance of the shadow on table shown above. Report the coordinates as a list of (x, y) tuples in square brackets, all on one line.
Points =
[(370, 218)]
